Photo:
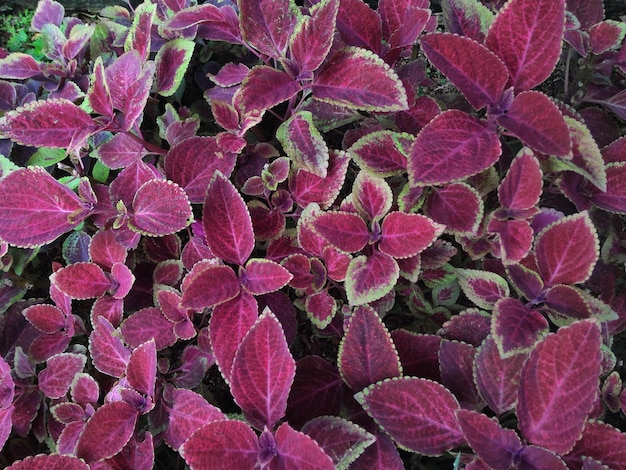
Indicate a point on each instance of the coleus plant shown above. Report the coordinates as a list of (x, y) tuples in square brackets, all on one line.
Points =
[(262, 234)]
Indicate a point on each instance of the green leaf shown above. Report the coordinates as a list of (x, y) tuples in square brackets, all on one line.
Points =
[(100, 172), (46, 156)]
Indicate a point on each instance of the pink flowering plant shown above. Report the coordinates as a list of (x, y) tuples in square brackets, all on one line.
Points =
[(315, 235)]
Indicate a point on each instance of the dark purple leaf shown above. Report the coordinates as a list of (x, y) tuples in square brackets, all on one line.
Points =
[(36, 208), (538, 457), (369, 278), (471, 326), (417, 413), (82, 280), (381, 454), (267, 224), (264, 88), (267, 24), (262, 372), (366, 352), (560, 376), (458, 206), (316, 391), (588, 12), (55, 380), (107, 431), (50, 462), (566, 301), (120, 151), (171, 61), (527, 36), (452, 147), (107, 352), (359, 79), (383, 153), (405, 235), (304, 144), (538, 123), (456, 362), (601, 442), (261, 276), (614, 199), (141, 368), (221, 445), (297, 450), (483, 288), (516, 327), (146, 324), (227, 222), (344, 230), (230, 322), (359, 25), (567, 250), (477, 72)]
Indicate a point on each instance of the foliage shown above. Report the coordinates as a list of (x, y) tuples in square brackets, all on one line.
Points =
[(259, 235)]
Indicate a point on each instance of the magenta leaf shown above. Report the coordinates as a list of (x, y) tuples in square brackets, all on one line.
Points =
[(84, 389), (359, 25), (516, 327), (229, 324), (521, 187), (370, 277), (366, 352), (138, 37), (304, 144), (141, 368), (225, 209), (483, 288), (56, 378), (82, 280), (418, 414), (357, 78), (452, 147), (261, 276), (614, 199), (536, 120), (208, 285), (105, 250), (497, 378), (320, 308), (262, 372), (192, 162), (527, 36), (146, 324), (171, 62), (492, 443), (371, 196), (297, 450), (307, 187), (605, 35), (467, 18), (160, 207), (30, 197), (381, 454), (406, 235), (383, 153), (46, 318), (567, 250), (403, 21), (108, 353), (267, 24), (221, 445), (107, 431), (341, 439), (317, 390), (189, 412), (129, 180), (50, 462), (458, 206), (601, 442), (560, 376), (264, 88), (213, 23), (344, 230), (477, 72), (47, 12), (312, 37), (98, 95), (19, 66)]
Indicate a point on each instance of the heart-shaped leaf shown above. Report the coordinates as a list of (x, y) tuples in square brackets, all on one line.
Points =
[(568, 363), (383, 153), (262, 372)]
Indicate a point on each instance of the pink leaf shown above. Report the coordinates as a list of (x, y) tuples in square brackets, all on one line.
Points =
[(304, 144), (229, 323), (614, 199), (522, 186), (452, 147), (261, 276), (227, 222), (536, 120), (171, 61), (48, 11), (567, 250), (366, 352), (107, 352), (403, 21), (527, 36), (458, 206), (98, 95), (516, 327), (383, 153), (19, 66), (406, 235), (370, 277), (105, 250), (107, 431), (560, 376), (141, 368), (493, 444), (56, 378), (297, 450), (84, 389), (359, 79), (477, 72), (307, 187), (30, 197), (343, 230), (129, 180), (320, 308), (497, 378), (146, 324), (139, 34), (207, 286), (262, 373), (192, 162), (160, 207), (221, 445), (483, 288), (46, 318), (123, 280), (312, 37), (82, 280), (267, 25), (120, 151), (50, 462), (264, 88), (189, 412), (417, 413), (605, 35), (217, 24), (371, 196)]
